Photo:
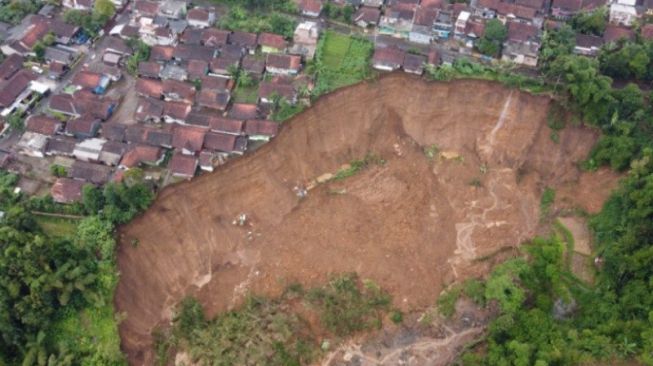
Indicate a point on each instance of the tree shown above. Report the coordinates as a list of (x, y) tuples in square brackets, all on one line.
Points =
[(495, 34), (556, 43), (58, 170), (16, 121), (103, 9), (592, 23)]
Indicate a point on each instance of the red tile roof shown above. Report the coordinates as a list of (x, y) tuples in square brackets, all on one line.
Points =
[(261, 127), (272, 40), (10, 66), (285, 62), (66, 190), (189, 138), (141, 154), (43, 124), (243, 111), (151, 88), (183, 165)]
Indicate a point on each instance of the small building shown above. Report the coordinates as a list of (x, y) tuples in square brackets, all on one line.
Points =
[(305, 40), (248, 42), (88, 172), (112, 152), (283, 64), (615, 33), (272, 43), (443, 25), (149, 69), (366, 17), (225, 143), (183, 166), (310, 8), (83, 127), (172, 9), (565, 9), (587, 45), (622, 14), (414, 64), (44, 125), (95, 82), (200, 17), (32, 144), (388, 58), (60, 146), (243, 111), (261, 130), (461, 24), (178, 91), (269, 90), (159, 138), (89, 149), (230, 126), (142, 155), (66, 190), (188, 140), (213, 99)]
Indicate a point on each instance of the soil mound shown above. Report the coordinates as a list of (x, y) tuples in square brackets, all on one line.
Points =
[(464, 166)]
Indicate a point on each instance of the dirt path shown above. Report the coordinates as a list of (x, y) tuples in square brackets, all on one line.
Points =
[(412, 224)]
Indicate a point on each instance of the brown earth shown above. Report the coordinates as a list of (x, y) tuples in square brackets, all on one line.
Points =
[(413, 224)]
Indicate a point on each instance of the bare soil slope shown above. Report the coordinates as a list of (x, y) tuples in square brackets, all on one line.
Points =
[(412, 225)]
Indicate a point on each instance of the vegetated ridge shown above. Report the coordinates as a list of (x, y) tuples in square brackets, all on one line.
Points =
[(457, 174)]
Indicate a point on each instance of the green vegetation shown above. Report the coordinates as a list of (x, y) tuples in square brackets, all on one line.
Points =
[(141, 53), (431, 152), (356, 166), (42, 44), (272, 331), (340, 61), (495, 34), (58, 170), (15, 10), (16, 121), (592, 23), (92, 21), (57, 276), (546, 201), (265, 17), (338, 13)]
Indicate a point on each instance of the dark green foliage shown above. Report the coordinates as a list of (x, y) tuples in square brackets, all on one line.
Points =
[(556, 43), (339, 13), (258, 19), (492, 40), (58, 170), (141, 53), (346, 306), (627, 60), (397, 316), (14, 11), (548, 196), (16, 121), (591, 22)]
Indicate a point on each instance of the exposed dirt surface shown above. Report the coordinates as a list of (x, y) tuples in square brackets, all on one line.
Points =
[(413, 224)]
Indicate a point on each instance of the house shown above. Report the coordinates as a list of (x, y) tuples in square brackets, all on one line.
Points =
[(93, 81), (245, 40), (188, 140), (142, 154), (84, 5), (522, 44), (614, 33), (10, 66), (196, 69), (149, 88), (283, 64), (56, 70), (149, 110), (173, 72), (213, 37), (59, 54), (112, 152), (191, 36), (213, 99), (397, 20), (82, 104), (89, 149), (305, 40), (83, 127), (18, 92), (66, 190), (460, 27), (172, 9), (187, 52), (145, 8), (243, 111), (183, 166), (111, 59), (414, 64), (373, 3), (272, 43), (176, 112), (253, 66), (60, 146), (178, 91), (43, 124), (206, 160), (587, 45), (367, 16), (88, 172), (565, 9), (222, 65), (228, 125), (388, 58), (623, 14), (422, 30), (269, 90), (226, 143), (433, 58), (216, 83), (200, 17), (149, 69), (113, 131), (261, 130), (124, 31), (443, 25), (32, 144), (162, 53), (310, 8), (159, 138), (647, 31)]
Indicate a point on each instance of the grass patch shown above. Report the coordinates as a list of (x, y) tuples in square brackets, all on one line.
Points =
[(357, 165), (340, 61), (565, 235), (548, 197), (431, 152), (246, 94), (92, 331), (56, 227), (447, 301)]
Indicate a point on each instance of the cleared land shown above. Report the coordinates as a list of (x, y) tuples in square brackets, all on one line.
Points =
[(457, 173)]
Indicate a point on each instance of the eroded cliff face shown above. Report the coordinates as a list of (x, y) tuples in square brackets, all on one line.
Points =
[(413, 223)]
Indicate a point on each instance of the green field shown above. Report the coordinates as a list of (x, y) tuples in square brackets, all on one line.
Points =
[(247, 94), (340, 61), (56, 227)]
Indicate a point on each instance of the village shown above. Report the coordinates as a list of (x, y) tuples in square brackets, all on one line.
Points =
[(164, 89)]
